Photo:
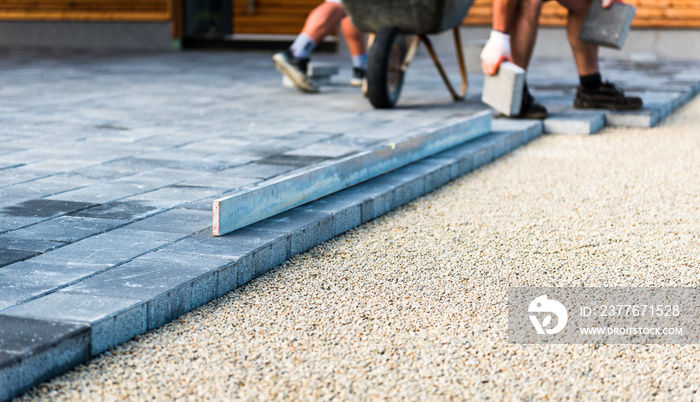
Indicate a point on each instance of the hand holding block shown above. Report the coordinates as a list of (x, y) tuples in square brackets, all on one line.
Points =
[(503, 91), (607, 27)]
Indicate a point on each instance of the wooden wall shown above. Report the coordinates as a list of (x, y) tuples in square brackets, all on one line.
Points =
[(287, 16), (650, 13), (271, 16), (86, 10)]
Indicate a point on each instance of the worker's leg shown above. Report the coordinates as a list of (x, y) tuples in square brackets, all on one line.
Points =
[(523, 36), (293, 62), (354, 37), (593, 93), (357, 45), (523, 33), (323, 20), (585, 54)]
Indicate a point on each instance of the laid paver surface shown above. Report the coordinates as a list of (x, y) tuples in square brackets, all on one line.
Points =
[(110, 162), (413, 305)]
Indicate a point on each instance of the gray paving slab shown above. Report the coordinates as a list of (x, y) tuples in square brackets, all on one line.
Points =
[(185, 221), (574, 123), (144, 149), (168, 287), (25, 280), (112, 320), (67, 229), (44, 208), (36, 350), (9, 256), (108, 249)]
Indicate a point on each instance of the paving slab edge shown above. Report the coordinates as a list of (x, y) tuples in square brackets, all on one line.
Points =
[(335, 214), (254, 204)]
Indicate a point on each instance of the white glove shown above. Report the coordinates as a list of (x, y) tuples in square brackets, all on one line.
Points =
[(497, 50)]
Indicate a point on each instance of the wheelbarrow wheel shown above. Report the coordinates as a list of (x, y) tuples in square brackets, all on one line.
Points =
[(385, 68)]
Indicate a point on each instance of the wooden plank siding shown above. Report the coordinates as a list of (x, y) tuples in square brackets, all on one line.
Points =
[(86, 10), (288, 16), (650, 13), (281, 17)]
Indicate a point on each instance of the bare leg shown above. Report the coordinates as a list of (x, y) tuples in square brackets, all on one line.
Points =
[(586, 55), (503, 14), (354, 37), (524, 32), (323, 20)]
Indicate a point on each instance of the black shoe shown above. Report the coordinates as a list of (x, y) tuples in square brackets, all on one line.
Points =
[(295, 69), (530, 109), (358, 75), (606, 96)]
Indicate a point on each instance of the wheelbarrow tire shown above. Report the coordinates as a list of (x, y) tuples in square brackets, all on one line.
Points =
[(384, 67)]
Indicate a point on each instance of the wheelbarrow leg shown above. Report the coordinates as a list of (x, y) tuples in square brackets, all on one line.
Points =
[(460, 59), (431, 50)]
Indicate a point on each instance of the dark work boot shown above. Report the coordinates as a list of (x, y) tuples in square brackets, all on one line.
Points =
[(529, 108), (295, 69), (606, 96)]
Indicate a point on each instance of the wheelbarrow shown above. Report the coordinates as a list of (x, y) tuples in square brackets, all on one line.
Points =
[(393, 24)]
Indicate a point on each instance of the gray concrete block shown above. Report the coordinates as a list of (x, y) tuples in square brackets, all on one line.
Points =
[(316, 69), (290, 221), (320, 73), (482, 151), (227, 278), (345, 209), (246, 270), (503, 91), (506, 125), (67, 228), (101, 193), (574, 123), (184, 221), (112, 320), (638, 118), (26, 280), (44, 208), (105, 250), (500, 143), (9, 256), (7, 241), (33, 351), (607, 27), (125, 210), (233, 246), (169, 287)]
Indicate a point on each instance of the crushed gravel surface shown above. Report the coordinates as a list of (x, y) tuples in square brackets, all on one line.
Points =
[(413, 305)]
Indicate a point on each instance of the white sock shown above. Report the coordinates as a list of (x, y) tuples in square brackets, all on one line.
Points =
[(302, 46), (360, 61)]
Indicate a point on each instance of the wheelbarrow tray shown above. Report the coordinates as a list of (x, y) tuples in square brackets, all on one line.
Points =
[(410, 16)]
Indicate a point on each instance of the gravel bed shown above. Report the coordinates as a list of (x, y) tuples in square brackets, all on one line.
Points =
[(412, 305)]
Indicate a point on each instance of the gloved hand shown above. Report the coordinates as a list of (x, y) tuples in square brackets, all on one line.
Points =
[(497, 50), (608, 3)]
